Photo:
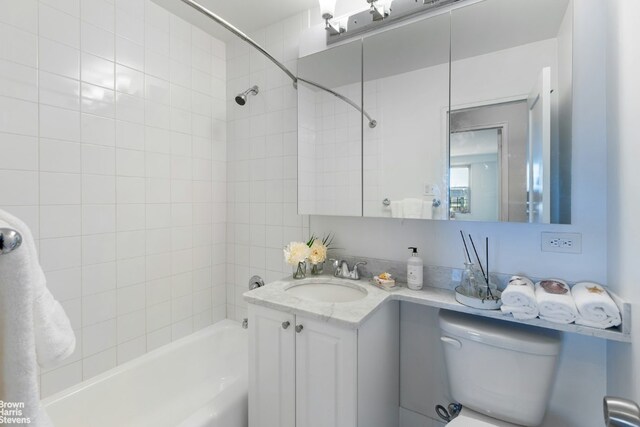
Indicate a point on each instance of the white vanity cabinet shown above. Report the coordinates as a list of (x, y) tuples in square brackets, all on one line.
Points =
[(305, 372)]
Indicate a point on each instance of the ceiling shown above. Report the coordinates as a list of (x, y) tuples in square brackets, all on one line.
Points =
[(246, 15)]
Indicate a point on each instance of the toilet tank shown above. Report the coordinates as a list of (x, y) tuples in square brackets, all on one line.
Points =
[(502, 369)]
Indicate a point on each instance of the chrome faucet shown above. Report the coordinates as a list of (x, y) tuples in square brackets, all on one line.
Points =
[(341, 269)]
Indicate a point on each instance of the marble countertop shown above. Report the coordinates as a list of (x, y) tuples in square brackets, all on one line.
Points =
[(353, 314)]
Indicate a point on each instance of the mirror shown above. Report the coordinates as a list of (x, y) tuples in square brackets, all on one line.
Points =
[(510, 124), (330, 132), (406, 87), (473, 110)]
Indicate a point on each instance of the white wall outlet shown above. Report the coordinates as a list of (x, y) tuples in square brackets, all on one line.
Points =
[(569, 243), (430, 189)]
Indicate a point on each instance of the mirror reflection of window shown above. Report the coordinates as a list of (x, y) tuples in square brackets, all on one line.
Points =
[(459, 196), (475, 178)]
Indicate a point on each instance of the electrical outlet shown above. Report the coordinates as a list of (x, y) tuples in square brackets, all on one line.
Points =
[(569, 243), (430, 189)]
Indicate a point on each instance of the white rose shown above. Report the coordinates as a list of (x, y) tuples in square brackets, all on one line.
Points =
[(318, 252), (296, 252)]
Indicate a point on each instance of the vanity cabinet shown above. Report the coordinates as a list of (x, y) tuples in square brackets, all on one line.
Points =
[(306, 372)]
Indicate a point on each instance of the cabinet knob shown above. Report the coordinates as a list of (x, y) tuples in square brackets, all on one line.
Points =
[(285, 324), (299, 328)]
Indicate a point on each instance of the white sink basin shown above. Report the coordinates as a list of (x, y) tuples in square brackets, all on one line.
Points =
[(328, 291)]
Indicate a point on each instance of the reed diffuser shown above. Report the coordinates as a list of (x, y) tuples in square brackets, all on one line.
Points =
[(476, 288)]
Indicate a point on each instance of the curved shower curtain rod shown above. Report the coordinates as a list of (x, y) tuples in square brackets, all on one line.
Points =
[(244, 37)]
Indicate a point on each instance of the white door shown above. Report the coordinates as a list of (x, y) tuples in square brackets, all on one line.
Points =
[(272, 349), (326, 375), (539, 156)]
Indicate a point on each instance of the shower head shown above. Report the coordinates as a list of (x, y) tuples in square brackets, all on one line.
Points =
[(241, 99)]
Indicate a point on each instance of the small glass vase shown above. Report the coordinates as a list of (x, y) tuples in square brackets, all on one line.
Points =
[(316, 269), (300, 270)]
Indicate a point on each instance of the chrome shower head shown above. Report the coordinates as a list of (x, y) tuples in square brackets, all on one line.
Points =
[(241, 99)]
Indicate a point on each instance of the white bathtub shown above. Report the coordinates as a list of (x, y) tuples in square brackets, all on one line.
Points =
[(197, 381)]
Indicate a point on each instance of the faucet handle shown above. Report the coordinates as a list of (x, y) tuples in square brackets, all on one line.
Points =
[(336, 266), (355, 273)]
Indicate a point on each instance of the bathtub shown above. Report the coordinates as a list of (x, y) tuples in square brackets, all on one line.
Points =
[(197, 381)]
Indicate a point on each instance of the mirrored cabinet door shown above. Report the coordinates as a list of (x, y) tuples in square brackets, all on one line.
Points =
[(510, 142), (406, 88), (330, 132)]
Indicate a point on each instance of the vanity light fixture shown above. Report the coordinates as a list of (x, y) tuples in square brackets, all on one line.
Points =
[(378, 12), (328, 10)]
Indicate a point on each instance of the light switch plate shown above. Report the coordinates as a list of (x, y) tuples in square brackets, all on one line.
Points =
[(568, 243)]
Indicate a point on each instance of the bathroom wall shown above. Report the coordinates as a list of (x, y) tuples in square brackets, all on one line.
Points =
[(262, 160), (623, 360), (113, 137), (516, 247)]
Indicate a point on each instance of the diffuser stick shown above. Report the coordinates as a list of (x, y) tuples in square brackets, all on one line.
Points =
[(486, 276), (464, 242), (486, 255), (479, 262)]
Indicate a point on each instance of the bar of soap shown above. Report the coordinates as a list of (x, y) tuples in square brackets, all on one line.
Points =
[(385, 280)]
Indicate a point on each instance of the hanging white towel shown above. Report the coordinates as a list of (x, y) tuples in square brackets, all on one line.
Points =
[(519, 299), (555, 301), (595, 306), (427, 209), (413, 208), (34, 328), (397, 209)]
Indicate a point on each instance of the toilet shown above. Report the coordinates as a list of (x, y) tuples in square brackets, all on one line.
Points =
[(501, 372)]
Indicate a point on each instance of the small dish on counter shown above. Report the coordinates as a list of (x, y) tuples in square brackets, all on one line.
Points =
[(479, 303)]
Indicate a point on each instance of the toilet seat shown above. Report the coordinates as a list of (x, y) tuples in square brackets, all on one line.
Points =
[(469, 418)]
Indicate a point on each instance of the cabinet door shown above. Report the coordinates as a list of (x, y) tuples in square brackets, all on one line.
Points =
[(326, 375), (271, 368)]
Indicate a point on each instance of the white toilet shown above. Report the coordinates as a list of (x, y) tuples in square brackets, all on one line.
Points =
[(501, 372)]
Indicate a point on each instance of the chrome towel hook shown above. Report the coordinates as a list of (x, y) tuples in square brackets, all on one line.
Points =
[(10, 240)]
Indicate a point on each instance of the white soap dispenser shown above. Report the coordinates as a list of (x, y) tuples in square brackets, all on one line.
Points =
[(414, 270)]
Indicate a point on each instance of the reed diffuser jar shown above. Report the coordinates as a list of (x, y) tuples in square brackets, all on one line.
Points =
[(476, 288), (469, 284)]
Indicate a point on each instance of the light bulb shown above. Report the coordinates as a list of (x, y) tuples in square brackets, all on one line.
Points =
[(327, 8)]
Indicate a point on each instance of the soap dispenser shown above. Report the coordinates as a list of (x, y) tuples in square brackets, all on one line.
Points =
[(414, 270)]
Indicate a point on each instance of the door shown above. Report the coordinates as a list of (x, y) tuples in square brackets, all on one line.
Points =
[(539, 155), (271, 368), (326, 375)]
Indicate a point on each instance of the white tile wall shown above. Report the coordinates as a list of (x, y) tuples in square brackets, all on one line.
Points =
[(113, 142), (262, 161)]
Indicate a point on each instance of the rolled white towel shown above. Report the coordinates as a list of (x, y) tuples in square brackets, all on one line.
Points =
[(519, 299), (555, 301), (595, 306)]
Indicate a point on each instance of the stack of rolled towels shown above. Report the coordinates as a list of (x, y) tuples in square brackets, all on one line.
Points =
[(587, 303)]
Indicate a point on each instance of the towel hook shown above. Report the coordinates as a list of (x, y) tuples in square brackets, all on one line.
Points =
[(9, 240)]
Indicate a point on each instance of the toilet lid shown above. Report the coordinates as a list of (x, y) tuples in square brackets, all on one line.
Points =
[(469, 418)]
